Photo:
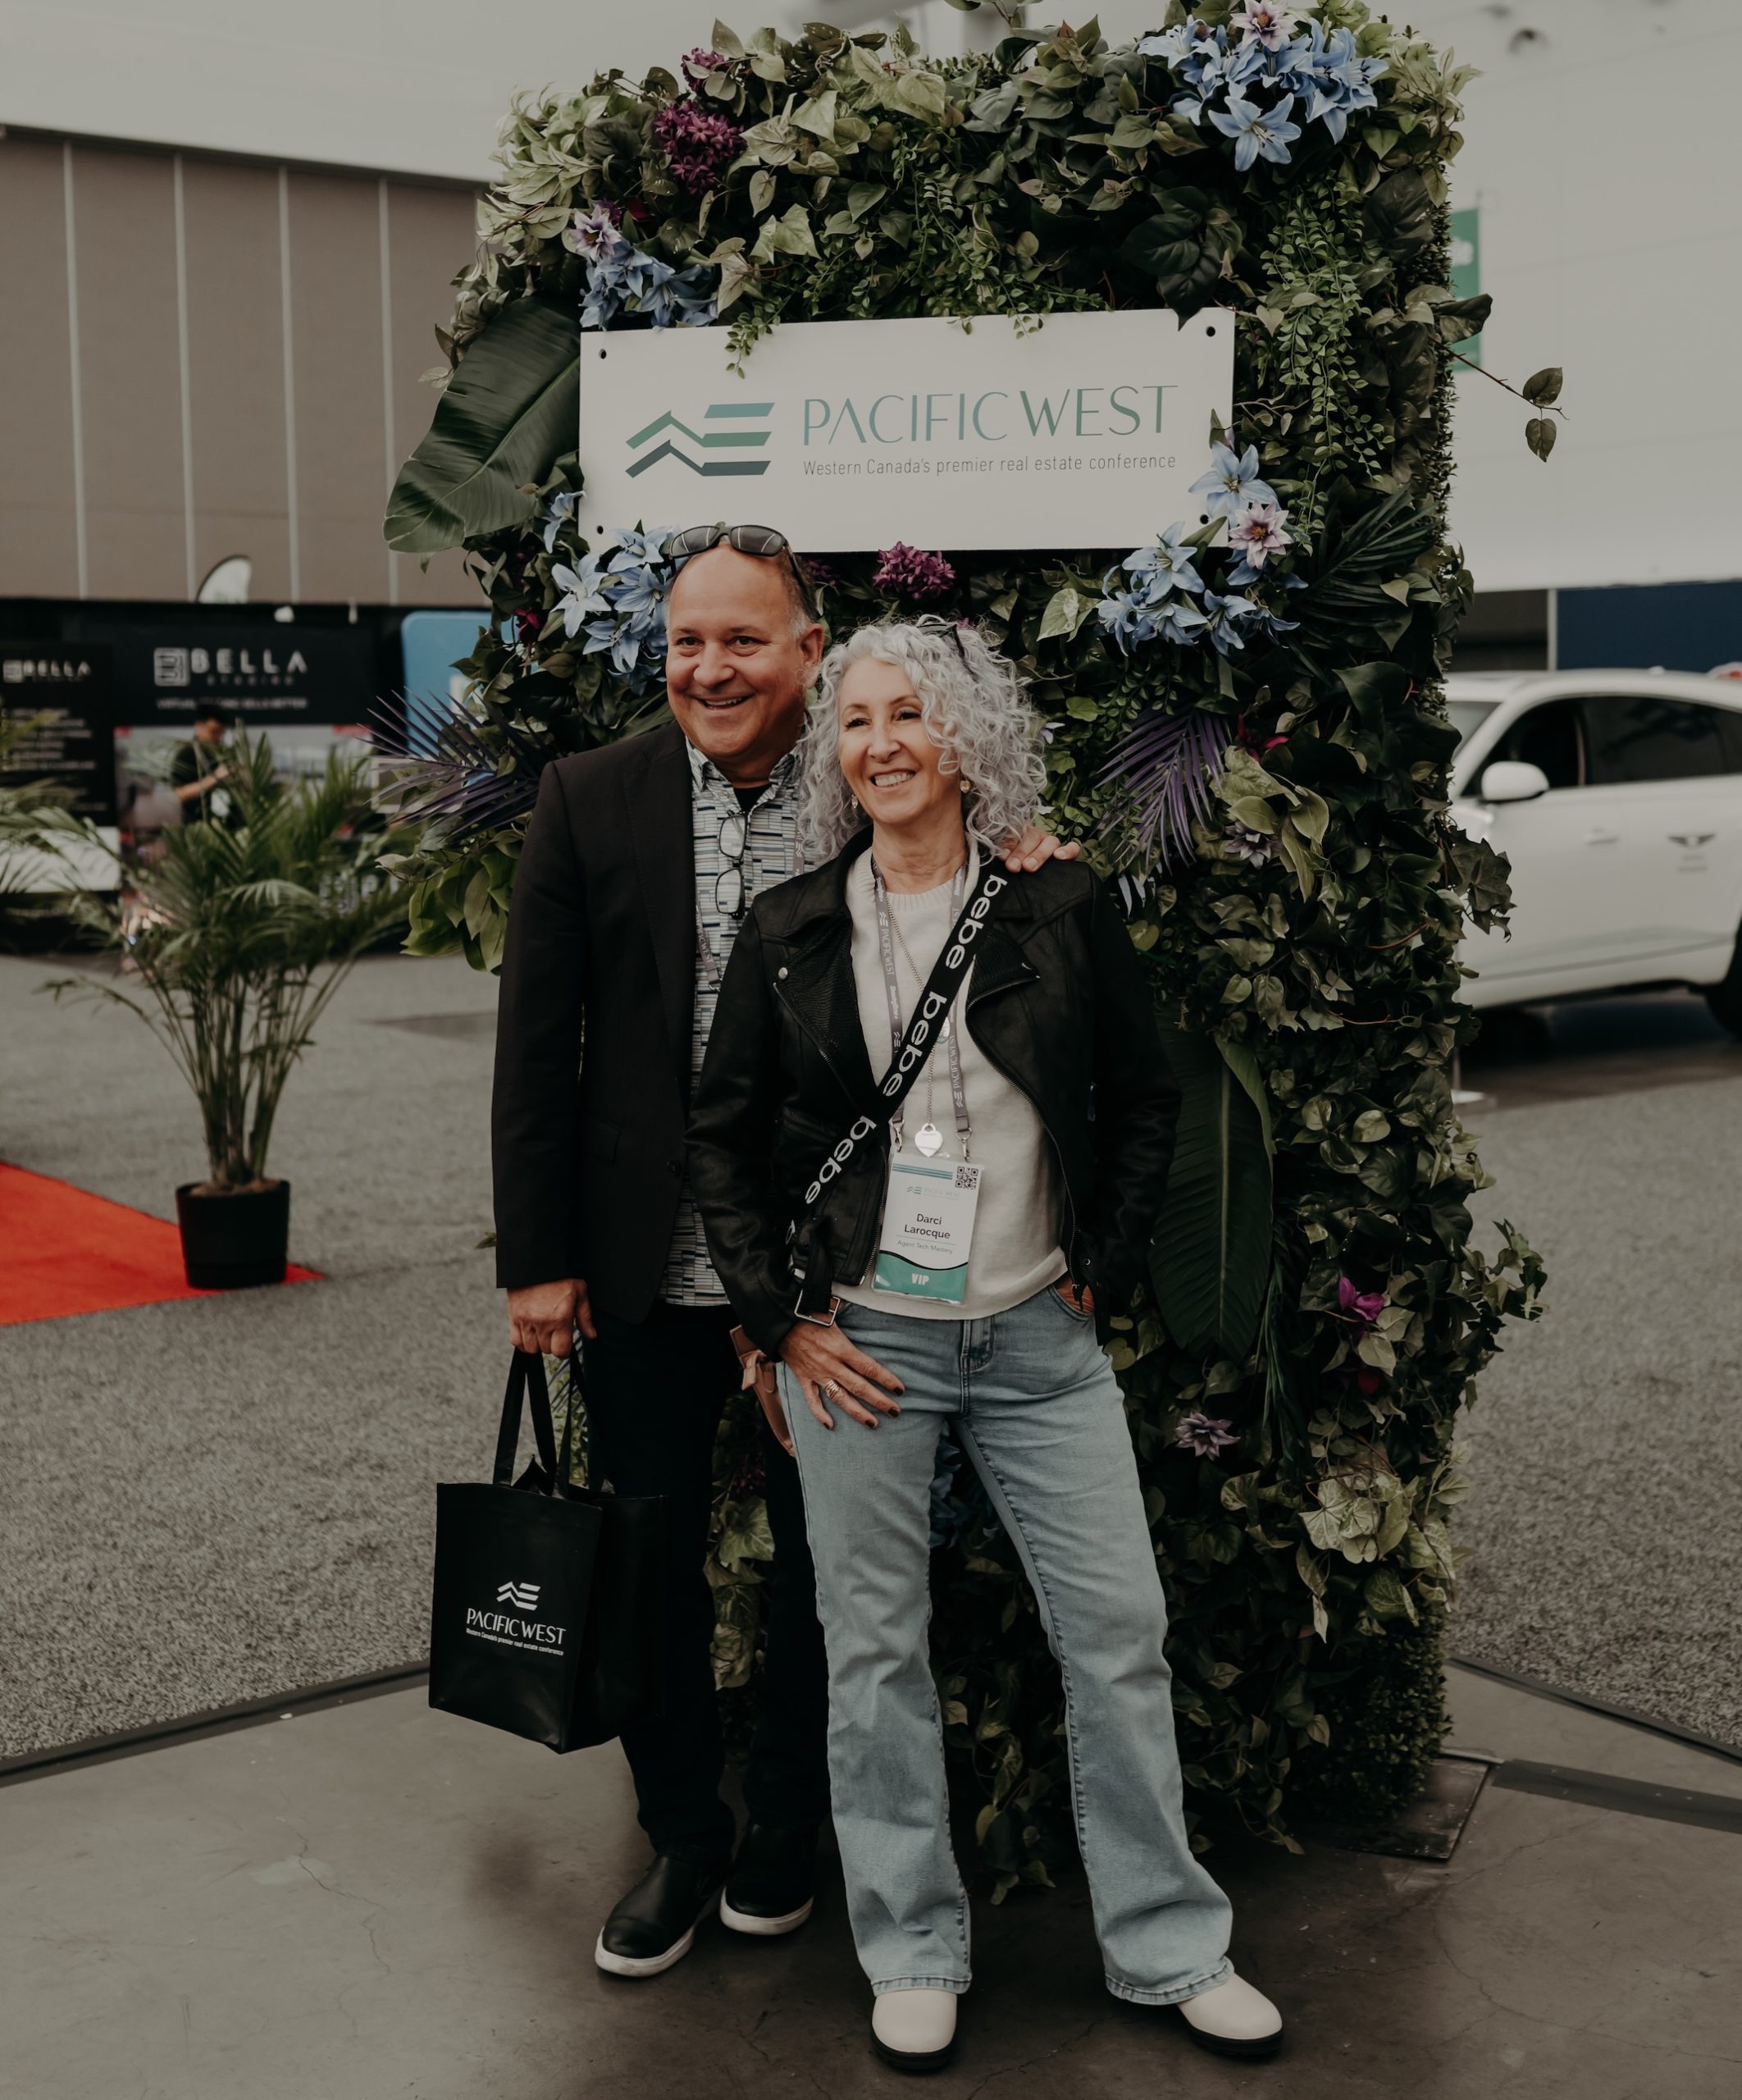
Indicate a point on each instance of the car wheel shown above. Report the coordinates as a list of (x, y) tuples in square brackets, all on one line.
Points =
[(1724, 997)]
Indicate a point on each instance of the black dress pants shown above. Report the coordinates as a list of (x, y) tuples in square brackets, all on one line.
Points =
[(655, 1392)]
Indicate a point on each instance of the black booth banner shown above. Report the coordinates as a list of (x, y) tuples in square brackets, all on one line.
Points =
[(264, 676), (67, 689)]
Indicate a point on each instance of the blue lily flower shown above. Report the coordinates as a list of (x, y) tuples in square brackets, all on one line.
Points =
[(1232, 483), (1225, 614), (583, 595), (1181, 624), (559, 506), (1257, 133), (1165, 567), (1126, 619)]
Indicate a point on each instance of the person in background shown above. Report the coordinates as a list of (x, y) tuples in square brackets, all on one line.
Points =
[(640, 861), (949, 1268), (199, 769)]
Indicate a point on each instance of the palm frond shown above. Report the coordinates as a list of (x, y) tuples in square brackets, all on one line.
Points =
[(481, 774), (1163, 772)]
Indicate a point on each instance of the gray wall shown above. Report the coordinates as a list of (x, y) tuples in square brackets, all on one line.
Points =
[(202, 357)]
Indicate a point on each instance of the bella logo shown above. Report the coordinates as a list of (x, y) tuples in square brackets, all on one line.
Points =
[(738, 413), (523, 1596)]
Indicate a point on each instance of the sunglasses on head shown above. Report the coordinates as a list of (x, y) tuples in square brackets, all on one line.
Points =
[(762, 541)]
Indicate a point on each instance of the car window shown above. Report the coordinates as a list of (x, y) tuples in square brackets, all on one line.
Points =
[(1467, 716), (1646, 736), (1730, 736), (1551, 735)]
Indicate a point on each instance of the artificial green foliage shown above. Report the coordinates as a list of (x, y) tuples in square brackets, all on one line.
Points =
[(1210, 1261), (1309, 930)]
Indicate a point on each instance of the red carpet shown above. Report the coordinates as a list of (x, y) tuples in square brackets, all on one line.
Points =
[(63, 1251)]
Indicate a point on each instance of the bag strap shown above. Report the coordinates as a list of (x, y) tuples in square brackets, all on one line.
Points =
[(526, 1374), (935, 1001)]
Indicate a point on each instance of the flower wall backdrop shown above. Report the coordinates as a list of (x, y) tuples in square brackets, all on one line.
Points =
[(1243, 726)]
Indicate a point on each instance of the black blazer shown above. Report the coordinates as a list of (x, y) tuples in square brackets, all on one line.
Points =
[(588, 1152), (1058, 1002)]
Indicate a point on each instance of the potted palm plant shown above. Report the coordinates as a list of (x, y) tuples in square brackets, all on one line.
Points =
[(233, 943)]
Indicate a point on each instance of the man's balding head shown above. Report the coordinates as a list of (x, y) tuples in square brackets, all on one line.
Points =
[(744, 644)]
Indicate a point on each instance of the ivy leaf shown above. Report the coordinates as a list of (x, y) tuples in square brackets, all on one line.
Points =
[(761, 190), (1542, 389), (1400, 213), (1459, 319), (726, 41), (1066, 611), (1540, 434)]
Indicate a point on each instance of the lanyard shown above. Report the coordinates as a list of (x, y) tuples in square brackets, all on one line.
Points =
[(886, 950)]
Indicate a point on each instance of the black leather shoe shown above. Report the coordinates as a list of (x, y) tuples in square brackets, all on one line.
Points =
[(774, 1880), (654, 1924)]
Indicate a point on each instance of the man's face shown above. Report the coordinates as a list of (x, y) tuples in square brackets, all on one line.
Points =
[(735, 673), (209, 731)]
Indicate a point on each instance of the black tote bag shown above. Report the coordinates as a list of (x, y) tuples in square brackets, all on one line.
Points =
[(548, 1605)]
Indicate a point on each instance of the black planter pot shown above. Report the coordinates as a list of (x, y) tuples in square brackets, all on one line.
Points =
[(233, 1241)]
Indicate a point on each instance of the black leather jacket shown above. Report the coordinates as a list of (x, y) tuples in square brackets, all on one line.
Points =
[(1057, 1001)]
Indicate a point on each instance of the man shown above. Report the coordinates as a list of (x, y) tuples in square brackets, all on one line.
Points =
[(198, 770), (639, 861)]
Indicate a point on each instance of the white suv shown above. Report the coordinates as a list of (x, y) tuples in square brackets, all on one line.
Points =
[(1617, 797)]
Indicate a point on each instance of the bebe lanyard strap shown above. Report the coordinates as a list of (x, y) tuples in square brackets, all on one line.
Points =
[(886, 949), (892, 1089)]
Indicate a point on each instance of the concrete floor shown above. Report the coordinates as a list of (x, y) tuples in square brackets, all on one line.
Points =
[(377, 1902)]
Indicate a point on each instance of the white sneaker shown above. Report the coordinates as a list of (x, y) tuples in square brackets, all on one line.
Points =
[(1234, 2019), (915, 2029)]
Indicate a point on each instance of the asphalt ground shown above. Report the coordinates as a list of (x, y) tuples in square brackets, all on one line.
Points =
[(228, 1498)]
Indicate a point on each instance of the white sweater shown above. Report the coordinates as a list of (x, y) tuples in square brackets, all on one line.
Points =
[(1016, 1250)]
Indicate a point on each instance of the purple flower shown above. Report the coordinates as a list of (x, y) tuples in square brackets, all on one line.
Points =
[(824, 574), (594, 232), (1363, 1307), (904, 571), (697, 63), (1240, 842), (1204, 1435), (699, 147), (1257, 531), (750, 1477)]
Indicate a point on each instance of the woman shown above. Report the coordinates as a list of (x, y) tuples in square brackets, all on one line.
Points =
[(898, 1306)]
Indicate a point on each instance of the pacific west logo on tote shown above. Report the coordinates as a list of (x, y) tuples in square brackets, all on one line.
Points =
[(1101, 418), (511, 1629)]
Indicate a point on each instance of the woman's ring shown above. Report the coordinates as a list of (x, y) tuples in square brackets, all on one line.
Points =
[(829, 1386)]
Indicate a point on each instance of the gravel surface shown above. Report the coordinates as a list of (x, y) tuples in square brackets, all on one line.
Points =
[(1605, 1446), (228, 1498)]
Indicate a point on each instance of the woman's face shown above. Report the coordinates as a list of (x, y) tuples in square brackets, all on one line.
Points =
[(889, 761)]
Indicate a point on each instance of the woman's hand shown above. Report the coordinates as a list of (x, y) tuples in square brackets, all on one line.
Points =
[(826, 1365), (1034, 847)]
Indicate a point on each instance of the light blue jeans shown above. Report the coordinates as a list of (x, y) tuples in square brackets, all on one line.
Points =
[(1035, 1406)]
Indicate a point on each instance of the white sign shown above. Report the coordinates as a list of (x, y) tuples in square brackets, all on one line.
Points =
[(1087, 431)]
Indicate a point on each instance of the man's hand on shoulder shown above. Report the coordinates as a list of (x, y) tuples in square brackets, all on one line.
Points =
[(542, 1317), (1034, 848)]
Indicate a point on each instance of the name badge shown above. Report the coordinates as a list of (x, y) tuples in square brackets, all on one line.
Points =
[(928, 1228)]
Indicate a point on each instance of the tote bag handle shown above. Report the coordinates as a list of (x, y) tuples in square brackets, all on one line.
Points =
[(526, 1379)]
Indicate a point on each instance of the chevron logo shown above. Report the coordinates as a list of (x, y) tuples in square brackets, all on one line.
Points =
[(523, 1596), (735, 438)]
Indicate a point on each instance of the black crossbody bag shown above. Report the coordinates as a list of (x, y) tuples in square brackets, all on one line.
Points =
[(546, 1619)]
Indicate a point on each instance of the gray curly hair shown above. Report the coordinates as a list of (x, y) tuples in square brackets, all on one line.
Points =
[(973, 708)]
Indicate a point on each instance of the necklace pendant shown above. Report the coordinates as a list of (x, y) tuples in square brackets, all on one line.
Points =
[(928, 1138)]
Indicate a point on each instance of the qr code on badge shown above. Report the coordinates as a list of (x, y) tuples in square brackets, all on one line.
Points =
[(967, 1177)]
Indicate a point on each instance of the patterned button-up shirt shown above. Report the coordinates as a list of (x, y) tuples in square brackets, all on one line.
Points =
[(770, 856)]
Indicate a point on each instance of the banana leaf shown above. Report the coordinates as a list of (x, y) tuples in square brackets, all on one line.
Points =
[(1210, 1257), (509, 412)]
